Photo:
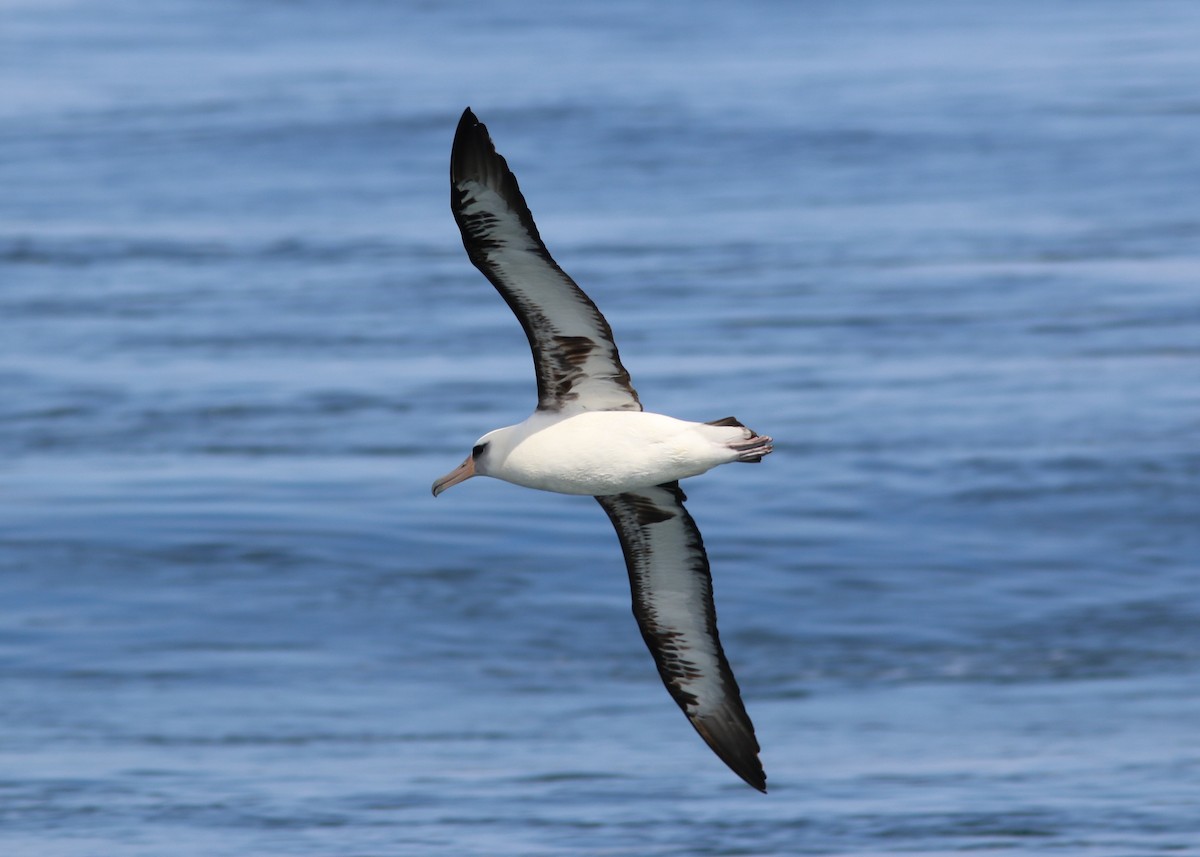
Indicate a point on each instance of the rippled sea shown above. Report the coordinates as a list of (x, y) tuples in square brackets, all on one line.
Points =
[(947, 254)]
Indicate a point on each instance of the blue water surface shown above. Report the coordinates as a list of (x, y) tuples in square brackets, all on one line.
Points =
[(947, 254)]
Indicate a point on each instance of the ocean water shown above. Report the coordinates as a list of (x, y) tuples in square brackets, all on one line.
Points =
[(947, 254)]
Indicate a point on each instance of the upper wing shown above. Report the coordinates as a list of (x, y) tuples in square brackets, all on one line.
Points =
[(574, 355), (672, 600)]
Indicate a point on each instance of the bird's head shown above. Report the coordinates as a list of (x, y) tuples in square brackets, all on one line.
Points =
[(474, 465)]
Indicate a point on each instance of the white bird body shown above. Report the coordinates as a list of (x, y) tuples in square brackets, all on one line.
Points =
[(605, 452)]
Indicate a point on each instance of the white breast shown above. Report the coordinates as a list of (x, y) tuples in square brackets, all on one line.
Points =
[(605, 452)]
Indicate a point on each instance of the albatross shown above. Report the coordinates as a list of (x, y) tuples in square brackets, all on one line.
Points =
[(589, 435)]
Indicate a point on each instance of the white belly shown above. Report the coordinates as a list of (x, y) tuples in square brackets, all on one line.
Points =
[(608, 452)]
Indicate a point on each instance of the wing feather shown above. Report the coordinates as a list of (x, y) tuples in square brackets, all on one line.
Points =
[(575, 358), (672, 601)]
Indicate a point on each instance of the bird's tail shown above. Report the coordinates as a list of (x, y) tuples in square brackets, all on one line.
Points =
[(751, 447)]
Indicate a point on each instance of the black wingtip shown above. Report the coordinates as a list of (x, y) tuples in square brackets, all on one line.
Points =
[(757, 778), (730, 735), (751, 771), (473, 157), (468, 119), (473, 152)]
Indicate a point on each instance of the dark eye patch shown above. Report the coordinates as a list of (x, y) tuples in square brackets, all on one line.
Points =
[(478, 449)]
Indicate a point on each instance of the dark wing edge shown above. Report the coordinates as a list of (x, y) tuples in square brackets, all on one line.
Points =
[(672, 601), (575, 358)]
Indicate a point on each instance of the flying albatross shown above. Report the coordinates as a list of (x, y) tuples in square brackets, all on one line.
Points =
[(589, 435)]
